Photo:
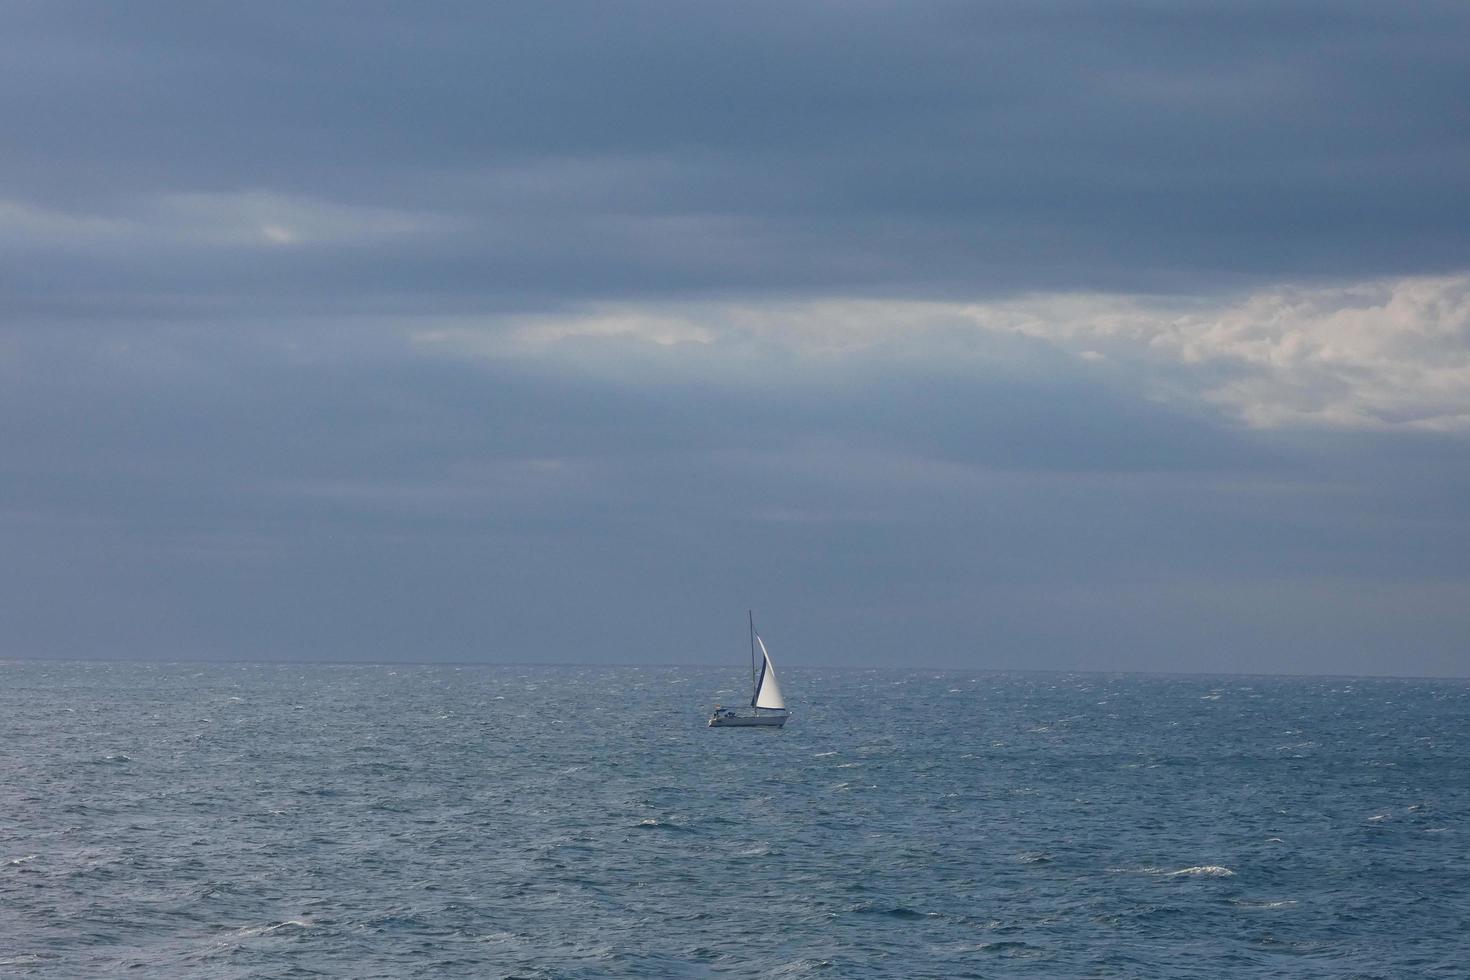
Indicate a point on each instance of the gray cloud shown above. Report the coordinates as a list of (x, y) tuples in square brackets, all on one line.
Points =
[(280, 503), (1126, 336), (652, 149)]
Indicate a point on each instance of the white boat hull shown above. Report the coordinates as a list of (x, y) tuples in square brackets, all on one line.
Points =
[(748, 721)]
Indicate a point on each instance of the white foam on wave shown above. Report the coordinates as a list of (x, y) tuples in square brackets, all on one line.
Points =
[(227, 944), (249, 932), (823, 755), (1279, 904), (16, 862), (669, 823), (1203, 871), (26, 959), (1199, 871)]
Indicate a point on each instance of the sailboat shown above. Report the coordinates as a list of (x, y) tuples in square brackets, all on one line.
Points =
[(765, 694)]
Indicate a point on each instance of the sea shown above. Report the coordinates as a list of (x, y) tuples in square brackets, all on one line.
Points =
[(367, 820)]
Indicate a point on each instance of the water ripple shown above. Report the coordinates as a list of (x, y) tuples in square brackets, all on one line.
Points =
[(441, 821)]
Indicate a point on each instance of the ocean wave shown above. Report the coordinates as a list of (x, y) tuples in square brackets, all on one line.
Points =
[(805, 967), (371, 843), (1197, 871), (659, 823), (1202, 871), (268, 928), (28, 959), (1010, 947), (892, 911)]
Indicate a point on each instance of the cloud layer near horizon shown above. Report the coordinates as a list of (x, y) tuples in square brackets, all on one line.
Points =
[(1063, 335)]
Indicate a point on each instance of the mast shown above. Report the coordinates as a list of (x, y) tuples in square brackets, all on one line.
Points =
[(753, 691)]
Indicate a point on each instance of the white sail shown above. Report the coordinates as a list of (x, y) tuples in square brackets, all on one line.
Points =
[(768, 692), (765, 695)]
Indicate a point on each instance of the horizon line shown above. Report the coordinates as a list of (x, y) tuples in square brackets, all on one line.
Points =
[(9, 659)]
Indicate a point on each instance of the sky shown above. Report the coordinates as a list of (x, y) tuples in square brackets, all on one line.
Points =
[(1054, 335)]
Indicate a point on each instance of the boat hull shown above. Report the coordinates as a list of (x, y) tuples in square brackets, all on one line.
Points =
[(749, 721)]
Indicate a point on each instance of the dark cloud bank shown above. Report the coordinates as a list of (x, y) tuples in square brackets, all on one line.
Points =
[(227, 231)]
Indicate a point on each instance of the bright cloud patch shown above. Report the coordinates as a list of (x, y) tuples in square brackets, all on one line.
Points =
[(260, 218), (1374, 355), (235, 218)]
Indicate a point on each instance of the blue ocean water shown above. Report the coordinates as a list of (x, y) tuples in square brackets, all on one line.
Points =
[(262, 820)]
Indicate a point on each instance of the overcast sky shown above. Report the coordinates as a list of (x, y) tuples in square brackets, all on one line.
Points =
[(990, 335)]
